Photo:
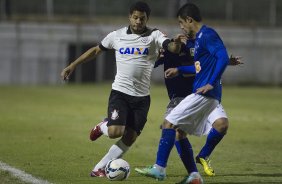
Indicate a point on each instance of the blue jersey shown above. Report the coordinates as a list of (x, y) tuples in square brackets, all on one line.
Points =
[(212, 55), (179, 86)]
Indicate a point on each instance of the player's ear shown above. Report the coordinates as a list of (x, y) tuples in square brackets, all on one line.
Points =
[(129, 15), (189, 19)]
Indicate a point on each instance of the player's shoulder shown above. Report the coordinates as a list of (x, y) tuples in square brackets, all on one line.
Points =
[(209, 31), (120, 31), (150, 32)]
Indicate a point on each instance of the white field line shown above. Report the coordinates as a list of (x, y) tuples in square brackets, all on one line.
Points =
[(21, 175)]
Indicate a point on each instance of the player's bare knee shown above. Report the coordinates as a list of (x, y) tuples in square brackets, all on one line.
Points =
[(221, 125), (180, 134), (167, 125), (114, 135), (115, 132)]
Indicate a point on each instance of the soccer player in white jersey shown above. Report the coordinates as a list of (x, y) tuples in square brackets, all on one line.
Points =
[(136, 49), (191, 114)]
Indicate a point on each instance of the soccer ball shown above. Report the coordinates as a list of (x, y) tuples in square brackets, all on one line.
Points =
[(117, 169)]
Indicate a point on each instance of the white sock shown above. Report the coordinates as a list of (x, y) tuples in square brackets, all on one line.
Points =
[(104, 128), (195, 173), (113, 153)]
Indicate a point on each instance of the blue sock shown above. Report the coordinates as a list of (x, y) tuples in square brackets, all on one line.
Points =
[(165, 145), (185, 152), (213, 139)]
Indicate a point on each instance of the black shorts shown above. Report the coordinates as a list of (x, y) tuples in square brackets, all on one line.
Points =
[(127, 110)]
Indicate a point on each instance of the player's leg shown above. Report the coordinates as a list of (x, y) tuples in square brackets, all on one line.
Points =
[(156, 169), (102, 128), (185, 152), (114, 125), (115, 151), (135, 110), (190, 116), (184, 148), (219, 121), (221, 125), (166, 143), (182, 144)]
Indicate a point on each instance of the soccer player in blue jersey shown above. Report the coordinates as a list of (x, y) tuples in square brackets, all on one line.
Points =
[(179, 85), (191, 114)]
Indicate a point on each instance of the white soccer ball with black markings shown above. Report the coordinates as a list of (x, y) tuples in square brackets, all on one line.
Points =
[(117, 169)]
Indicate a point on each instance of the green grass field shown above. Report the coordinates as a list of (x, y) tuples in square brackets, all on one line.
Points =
[(44, 131)]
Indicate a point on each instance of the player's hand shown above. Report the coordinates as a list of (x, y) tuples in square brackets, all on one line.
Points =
[(175, 46), (235, 60), (65, 74), (161, 54), (171, 72), (180, 38), (204, 89)]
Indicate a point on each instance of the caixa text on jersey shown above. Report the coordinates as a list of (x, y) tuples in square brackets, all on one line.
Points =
[(134, 50)]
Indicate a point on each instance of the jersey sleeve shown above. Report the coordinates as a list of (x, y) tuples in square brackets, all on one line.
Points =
[(212, 42), (108, 41), (159, 62), (187, 69), (216, 48), (161, 38)]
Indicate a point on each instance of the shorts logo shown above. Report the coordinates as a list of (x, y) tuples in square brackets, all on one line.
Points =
[(115, 115), (134, 51)]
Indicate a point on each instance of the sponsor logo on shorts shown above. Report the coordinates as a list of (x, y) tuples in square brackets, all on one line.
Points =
[(115, 115)]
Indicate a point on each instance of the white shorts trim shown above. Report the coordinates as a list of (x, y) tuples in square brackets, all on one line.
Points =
[(217, 113), (192, 113)]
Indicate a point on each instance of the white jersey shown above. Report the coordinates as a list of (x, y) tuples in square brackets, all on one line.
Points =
[(135, 57)]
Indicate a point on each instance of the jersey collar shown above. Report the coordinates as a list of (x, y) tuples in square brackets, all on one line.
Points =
[(130, 32)]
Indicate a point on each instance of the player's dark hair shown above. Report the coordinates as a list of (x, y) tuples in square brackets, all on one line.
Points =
[(140, 6), (190, 10)]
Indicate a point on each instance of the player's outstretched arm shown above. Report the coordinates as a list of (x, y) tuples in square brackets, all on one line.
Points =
[(173, 72), (89, 54)]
